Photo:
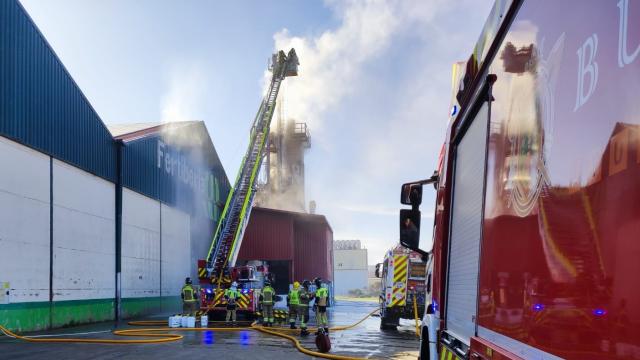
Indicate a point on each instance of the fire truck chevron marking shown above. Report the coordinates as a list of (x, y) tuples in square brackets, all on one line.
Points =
[(400, 275), (447, 354), (243, 301)]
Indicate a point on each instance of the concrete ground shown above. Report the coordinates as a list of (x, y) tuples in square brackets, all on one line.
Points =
[(365, 340)]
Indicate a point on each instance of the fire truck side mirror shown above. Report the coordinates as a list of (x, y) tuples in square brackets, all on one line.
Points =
[(410, 228), (411, 194), (379, 270)]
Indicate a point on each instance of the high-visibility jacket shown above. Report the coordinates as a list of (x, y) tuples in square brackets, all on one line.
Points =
[(231, 295), (268, 295), (294, 297), (322, 295), (188, 293)]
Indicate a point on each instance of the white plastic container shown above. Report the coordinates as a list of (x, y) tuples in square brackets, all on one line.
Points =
[(184, 321), (174, 321), (204, 321), (191, 321)]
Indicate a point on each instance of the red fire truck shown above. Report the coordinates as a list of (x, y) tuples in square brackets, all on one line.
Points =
[(537, 216), (250, 279)]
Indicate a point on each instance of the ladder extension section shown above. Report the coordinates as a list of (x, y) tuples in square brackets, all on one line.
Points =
[(235, 216)]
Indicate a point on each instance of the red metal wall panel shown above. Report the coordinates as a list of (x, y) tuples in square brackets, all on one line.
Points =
[(313, 246), (304, 239), (269, 236)]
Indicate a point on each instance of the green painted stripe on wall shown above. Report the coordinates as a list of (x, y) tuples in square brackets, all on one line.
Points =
[(28, 316), (33, 316), (74, 312), (132, 307)]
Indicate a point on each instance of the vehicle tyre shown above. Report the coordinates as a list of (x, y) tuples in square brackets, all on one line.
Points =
[(388, 321), (424, 344)]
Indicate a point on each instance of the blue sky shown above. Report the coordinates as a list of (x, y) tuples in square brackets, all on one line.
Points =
[(374, 84)]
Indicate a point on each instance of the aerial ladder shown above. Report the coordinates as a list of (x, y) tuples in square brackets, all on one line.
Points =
[(225, 246)]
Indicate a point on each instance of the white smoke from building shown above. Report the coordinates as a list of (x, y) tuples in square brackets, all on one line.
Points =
[(375, 92), (331, 63), (185, 96)]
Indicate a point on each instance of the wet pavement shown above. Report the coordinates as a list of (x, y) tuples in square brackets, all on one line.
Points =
[(366, 341)]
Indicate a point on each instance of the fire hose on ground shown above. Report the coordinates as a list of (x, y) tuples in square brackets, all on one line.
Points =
[(162, 335)]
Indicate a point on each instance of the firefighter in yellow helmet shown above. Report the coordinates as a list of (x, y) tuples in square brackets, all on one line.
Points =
[(189, 298), (293, 300), (231, 295)]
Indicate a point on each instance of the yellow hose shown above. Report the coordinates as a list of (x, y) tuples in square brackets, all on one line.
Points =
[(167, 337), (302, 349), (415, 312), (162, 338)]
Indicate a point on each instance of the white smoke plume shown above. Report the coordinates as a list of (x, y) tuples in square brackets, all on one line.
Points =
[(186, 88), (375, 92), (331, 63)]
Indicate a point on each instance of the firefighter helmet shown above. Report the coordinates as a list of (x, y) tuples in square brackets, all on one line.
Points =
[(188, 281), (306, 283), (296, 285), (318, 282)]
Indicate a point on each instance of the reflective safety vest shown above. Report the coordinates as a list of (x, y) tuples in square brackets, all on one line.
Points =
[(294, 297), (322, 295), (188, 293), (231, 294), (268, 295)]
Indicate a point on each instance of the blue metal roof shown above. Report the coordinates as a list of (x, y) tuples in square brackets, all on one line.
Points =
[(41, 106)]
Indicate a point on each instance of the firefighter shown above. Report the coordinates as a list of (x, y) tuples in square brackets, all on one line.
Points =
[(231, 295), (267, 296), (321, 303), (293, 300), (189, 298), (303, 308)]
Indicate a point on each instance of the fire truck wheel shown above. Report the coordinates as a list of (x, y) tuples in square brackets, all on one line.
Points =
[(388, 320)]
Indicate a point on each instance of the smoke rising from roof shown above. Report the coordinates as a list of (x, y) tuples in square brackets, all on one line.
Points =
[(184, 99)]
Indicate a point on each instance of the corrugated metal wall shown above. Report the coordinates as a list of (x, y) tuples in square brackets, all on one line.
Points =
[(185, 174), (313, 247), (269, 236), (40, 104), (153, 167), (305, 239)]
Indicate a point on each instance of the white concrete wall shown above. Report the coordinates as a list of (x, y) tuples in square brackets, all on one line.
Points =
[(345, 280), (350, 259), (24, 222), (83, 235), (176, 250), (140, 245)]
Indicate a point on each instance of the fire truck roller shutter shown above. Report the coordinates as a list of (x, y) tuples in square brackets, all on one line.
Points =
[(468, 194)]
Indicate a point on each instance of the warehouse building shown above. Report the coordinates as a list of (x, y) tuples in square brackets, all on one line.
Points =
[(296, 245), (92, 227), (350, 266)]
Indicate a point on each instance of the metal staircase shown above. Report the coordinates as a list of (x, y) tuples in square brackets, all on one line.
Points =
[(225, 246)]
